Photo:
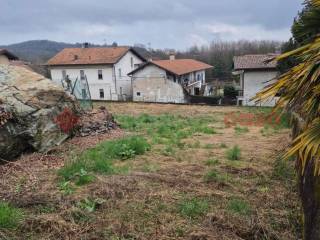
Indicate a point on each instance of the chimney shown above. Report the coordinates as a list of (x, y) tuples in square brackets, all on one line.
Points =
[(85, 45), (172, 56)]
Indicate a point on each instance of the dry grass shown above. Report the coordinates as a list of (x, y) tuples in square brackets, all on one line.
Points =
[(171, 192)]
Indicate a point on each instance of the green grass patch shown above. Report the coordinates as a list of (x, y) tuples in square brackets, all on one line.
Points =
[(214, 176), (193, 207), (212, 162), (167, 129), (240, 130), (234, 153), (100, 159), (10, 217), (239, 206)]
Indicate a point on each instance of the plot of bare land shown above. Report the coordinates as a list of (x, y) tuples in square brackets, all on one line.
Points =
[(170, 172)]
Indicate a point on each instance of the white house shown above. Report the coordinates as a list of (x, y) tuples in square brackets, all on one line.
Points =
[(167, 80), (6, 57), (105, 69), (255, 72)]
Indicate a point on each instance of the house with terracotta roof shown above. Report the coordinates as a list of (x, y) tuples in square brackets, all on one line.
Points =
[(6, 57), (255, 73), (104, 69), (169, 80)]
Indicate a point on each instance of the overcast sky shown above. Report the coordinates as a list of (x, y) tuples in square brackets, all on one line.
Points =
[(163, 23)]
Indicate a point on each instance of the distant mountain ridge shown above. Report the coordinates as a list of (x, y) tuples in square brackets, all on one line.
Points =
[(40, 51)]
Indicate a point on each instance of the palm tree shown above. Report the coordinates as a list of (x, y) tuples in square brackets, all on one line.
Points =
[(300, 95)]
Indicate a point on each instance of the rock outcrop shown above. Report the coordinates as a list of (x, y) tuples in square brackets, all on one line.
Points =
[(29, 105)]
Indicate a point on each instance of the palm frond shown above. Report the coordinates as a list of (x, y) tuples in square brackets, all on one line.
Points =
[(300, 92)]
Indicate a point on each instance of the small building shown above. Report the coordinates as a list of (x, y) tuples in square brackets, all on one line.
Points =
[(169, 80), (105, 70), (255, 73), (6, 57)]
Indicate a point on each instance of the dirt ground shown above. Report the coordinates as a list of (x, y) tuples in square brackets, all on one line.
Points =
[(163, 195)]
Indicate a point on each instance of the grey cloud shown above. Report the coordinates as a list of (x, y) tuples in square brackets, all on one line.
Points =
[(127, 19)]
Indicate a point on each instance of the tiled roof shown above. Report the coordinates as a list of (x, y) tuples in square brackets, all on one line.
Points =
[(85, 56), (10, 55), (257, 61), (178, 66)]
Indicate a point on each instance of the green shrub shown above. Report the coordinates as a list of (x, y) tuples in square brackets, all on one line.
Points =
[(193, 208), (239, 206), (234, 153), (10, 217), (230, 91)]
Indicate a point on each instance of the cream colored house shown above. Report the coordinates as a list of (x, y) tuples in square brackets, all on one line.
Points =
[(6, 56), (255, 73), (169, 80), (105, 69)]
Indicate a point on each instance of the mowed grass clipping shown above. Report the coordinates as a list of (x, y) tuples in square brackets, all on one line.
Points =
[(10, 217), (100, 159)]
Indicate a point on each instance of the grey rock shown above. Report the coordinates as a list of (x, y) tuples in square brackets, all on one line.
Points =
[(33, 101)]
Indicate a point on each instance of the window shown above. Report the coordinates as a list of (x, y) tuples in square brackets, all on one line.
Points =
[(100, 76), (120, 75), (198, 77), (82, 76), (136, 65), (131, 62), (101, 93), (64, 74), (138, 93)]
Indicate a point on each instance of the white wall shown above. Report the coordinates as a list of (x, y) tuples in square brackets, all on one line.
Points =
[(4, 59), (112, 84), (152, 85), (124, 84), (107, 83), (253, 82)]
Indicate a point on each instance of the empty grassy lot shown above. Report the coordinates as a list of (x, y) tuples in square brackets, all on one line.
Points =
[(176, 172)]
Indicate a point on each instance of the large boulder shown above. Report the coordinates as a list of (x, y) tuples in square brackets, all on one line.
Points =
[(29, 108)]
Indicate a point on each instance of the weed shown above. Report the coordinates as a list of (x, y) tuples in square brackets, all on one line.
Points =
[(168, 151), (20, 184), (193, 208), (239, 206), (206, 130), (282, 170), (223, 145), (84, 178), (90, 205), (240, 130), (10, 217), (234, 153), (66, 187), (214, 176), (212, 162)]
